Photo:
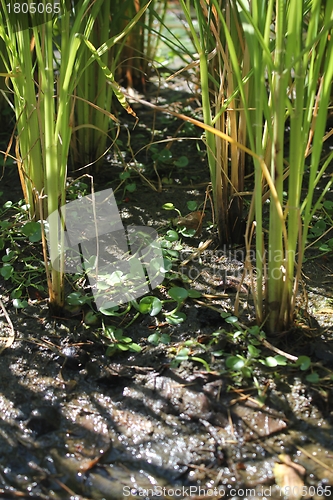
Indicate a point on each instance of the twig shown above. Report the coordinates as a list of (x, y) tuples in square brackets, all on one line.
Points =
[(195, 254), (11, 337), (319, 462), (267, 344)]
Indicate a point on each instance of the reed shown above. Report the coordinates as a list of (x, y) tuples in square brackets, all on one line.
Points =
[(43, 66), (129, 59), (266, 73)]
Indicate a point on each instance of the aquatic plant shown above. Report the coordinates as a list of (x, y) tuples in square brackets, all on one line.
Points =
[(43, 72), (272, 67)]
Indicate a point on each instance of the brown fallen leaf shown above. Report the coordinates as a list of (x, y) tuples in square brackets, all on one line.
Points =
[(191, 221), (325, 310), (288, 476)]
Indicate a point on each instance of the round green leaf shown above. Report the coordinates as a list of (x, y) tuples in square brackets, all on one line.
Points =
[(32, 230), (165, 244), (135, 347), (182, 355), (168, 206), (165, 155), (328, 205), (28, 228), (126, 340), (270, 361), (154, 338), (165, 338), (6, 271), (253, 351), (122, 347), (124, 175), (167, 265), (190, 342), (9, 256), (20, 304), (231, 320), (109, 311), (181, 162), (177, 293), (225, 314), (91, 318), (150, 305), (304, 362), (173, 253), (189, 233), (194, 294), (235, 362), (254, 330), (16, 294), (171, 235), (281, 360), (176, 318), (217, 354), (166, 180), (313, 377), (246, 371), (36, 237), (76, 299), (130, 187), (192, 206)]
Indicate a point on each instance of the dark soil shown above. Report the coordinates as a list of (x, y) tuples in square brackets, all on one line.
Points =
[(78, 424)]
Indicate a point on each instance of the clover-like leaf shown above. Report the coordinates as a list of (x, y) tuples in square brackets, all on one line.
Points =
[(20, 304), (313, 377), (171, 235), (253, 351), (109, 311), (176, 318), (6, 271), (235, 362), (150, 305), (178, 294), (168, 206), (192, 205), (304, 362), (181, 162), (76, 299)]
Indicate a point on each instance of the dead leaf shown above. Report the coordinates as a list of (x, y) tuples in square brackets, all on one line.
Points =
[(288, 476), (325, 310), (191, 221)]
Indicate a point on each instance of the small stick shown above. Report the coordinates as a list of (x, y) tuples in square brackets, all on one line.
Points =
[(11, 337)]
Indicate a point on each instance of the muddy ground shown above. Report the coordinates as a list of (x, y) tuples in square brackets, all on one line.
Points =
[(78, 424)]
